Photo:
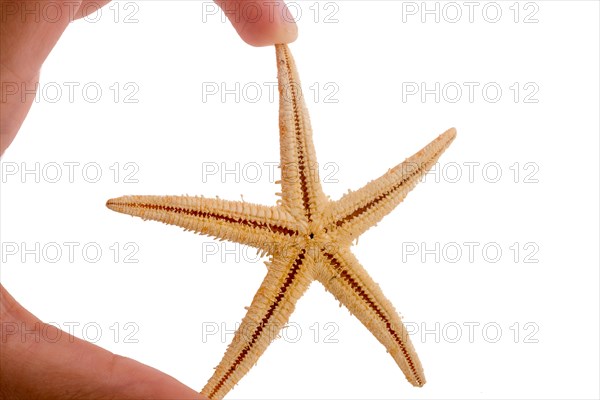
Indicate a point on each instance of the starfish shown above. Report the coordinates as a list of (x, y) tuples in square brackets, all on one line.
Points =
[(306, 236)]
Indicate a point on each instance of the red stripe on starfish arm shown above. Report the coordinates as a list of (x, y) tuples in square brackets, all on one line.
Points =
[(286, 281), (251, 224), (357, 211), (347, 280), (300, 185)]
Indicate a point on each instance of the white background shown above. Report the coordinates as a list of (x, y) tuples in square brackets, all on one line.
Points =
[(368, 52)]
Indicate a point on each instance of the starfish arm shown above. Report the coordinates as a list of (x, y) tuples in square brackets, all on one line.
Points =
[(357, 211), (286, 281), (346, 279), (251, 224), (301, 187)]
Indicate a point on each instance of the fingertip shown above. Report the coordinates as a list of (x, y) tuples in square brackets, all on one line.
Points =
[(267, 35), (260, 23)]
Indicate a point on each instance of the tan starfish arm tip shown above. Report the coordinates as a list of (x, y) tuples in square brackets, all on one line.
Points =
[(343, 276), (286, 281), (251, 224), (359, 210)]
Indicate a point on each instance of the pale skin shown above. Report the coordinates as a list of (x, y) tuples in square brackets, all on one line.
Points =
[(71, 368)]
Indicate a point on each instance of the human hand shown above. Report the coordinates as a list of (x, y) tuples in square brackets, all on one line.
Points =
[(33, 367), (25, 44), (71, 368)]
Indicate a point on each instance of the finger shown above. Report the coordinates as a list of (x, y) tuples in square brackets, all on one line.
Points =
[(29, 31), (40, 361), (260, 22), (26, 38)]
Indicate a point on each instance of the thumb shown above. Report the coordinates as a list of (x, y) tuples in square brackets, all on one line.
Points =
[(42, 362), (260, 23)]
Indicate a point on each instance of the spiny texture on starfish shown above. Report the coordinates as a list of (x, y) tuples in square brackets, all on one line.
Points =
[(306, 236)]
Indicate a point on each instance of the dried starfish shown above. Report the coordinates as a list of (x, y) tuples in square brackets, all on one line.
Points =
[(307, 237)]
